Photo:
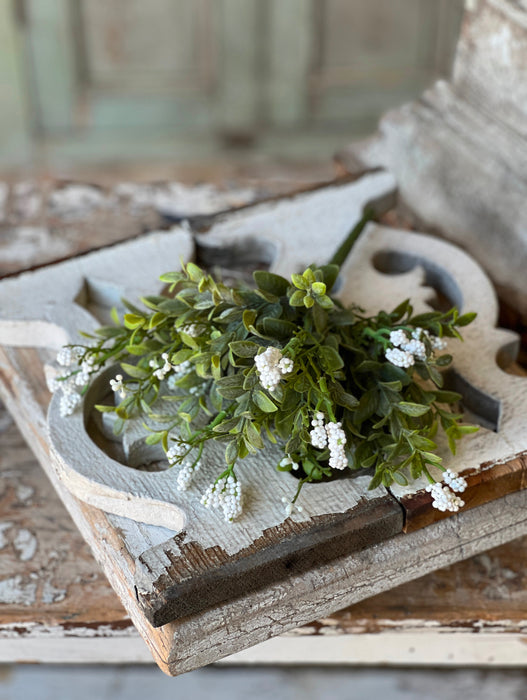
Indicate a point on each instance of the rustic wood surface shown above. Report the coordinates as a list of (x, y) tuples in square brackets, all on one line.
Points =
[(459, 153), (93, 523), (57, 605)]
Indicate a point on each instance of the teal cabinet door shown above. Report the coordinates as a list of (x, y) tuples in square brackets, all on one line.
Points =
[(186, 78)]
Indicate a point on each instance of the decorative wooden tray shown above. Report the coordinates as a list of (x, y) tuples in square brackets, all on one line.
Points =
[(217, 589)]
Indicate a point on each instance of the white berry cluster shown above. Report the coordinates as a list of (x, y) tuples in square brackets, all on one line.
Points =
[(456, 482), (179, 449), (88, 366), (118, 386), (332, 436), (69, 402), (271, 366), (406, 351), (337, 446), (193, 329), (186, 474), (177, 372), (227, 494), (319, 437), (160, 371), (69, 356), (443, 496), (288, 461), (290, 507)]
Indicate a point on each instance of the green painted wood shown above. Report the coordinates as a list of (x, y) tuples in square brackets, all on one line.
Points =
[(15, 140), (51, 45), (237, 86), (291, 40)]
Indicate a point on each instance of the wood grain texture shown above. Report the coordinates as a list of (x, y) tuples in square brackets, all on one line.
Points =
[(233, 625), (459, 153), (75, 616)]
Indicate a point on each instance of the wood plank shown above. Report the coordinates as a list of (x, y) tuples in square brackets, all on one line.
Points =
[(15, 117), (471, 612), (206, 552)]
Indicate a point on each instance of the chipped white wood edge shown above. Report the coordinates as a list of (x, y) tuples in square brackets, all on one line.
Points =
[(459, 153), (48, 307), (411, 647)]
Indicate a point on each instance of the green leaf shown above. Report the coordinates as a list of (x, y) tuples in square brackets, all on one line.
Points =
[(466, 318), (244, 348), (248, 318), (133, 321), (279, 328), (330, 273), (195, 273), (400, 478), (263, 402), (105, 409), (133, 371), (299, 281), (318, 288), (443, 360), (270, 282), (252, 434), (330, 359), (435, 376), (412, 409), (308, 301), (297, 298), (447, 396), (231, 452)]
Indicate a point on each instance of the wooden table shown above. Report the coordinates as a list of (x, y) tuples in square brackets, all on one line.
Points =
[(55, 604)]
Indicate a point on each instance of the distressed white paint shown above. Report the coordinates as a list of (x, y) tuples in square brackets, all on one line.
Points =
[(25, 544), (17, 590), (414, 647)]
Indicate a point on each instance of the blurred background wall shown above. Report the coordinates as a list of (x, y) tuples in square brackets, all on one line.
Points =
[(110, 82)]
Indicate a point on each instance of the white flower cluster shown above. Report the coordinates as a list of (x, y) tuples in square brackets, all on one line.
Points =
[(186, 474), (271, 366), (456, 482), (161, 371), (193, 329), (227, 494), (178, 371), (290, 507), (118, 386), (443, 496), (332, 436), (406, 351), (177, 450), (319, 437), (286, 461), (69, 402), (69, 356)]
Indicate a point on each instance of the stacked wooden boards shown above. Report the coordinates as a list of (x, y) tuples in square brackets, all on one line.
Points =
[(145, 560), (56, 605)]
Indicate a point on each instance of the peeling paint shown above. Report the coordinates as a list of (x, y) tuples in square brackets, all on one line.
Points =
[(24, 493), (3, 528), (25, 544), (17, 591)]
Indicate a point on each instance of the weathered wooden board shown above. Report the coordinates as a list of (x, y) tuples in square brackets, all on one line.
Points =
[(459, 153), (208, 562), (227, 626), (192, 642), (57, 606)]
